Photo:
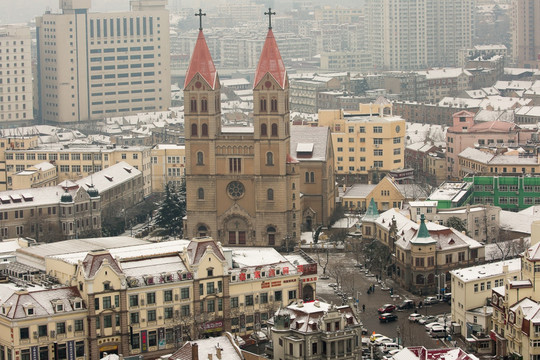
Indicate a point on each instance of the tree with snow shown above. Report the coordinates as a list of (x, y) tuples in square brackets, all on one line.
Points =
[(172, 210)]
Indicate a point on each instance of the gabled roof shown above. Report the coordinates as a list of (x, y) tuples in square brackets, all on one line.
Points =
[(201, 63), (42, 302), (271, 62), (93, 262), (197, 248)]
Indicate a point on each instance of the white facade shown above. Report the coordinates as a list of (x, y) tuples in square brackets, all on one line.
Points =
[(15, 75), (96, 65)]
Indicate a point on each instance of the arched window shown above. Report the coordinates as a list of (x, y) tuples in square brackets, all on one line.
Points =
[(431, 279), (204, 130), (200, 158), (420, 279), (269, 158), (273, 105), (312, 175), (293, 186), (271, 235), (200, 194), (263, 104), (270, 194), (204, 105), (193, 105), (274, 129), (264, 130), (307, 177), (193, 129), (201, 231)]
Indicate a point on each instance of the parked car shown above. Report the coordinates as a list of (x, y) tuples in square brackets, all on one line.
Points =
[(259, 336), (426, 319), (387, 308), (431, 324), (240, 341), (437, 331), (386, 348), (406, 304), (431, 300), (387, 317), (383, 340), (414, 317), (374, 337)]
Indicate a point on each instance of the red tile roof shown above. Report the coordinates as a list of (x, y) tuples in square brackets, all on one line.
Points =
[(271, 62), (201, 63), (292, 160)]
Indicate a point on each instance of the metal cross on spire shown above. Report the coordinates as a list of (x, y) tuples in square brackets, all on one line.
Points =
[(270, 13), (200, 14)]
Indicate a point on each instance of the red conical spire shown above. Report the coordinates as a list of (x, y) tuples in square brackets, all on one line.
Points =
[(271, 62), (202, 63)]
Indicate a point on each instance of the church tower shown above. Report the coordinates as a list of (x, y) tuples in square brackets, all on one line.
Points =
[(242, 184), (202, 125)]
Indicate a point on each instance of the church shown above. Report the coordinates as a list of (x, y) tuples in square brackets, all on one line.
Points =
[(253, 186)]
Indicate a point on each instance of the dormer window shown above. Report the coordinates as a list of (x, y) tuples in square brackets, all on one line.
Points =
[(106, 285), (77, 305), (29, 309), (59, 307)]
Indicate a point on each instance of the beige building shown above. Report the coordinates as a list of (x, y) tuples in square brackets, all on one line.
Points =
[(145, 299), (39, 175), (481, 221), (316, 330), (493, 162), (50, 213), (74, 162), (368, 142), (423, 253), (168, 166), (525, 17), (97, 65), (471, 297), (16, 107), (244, 184)]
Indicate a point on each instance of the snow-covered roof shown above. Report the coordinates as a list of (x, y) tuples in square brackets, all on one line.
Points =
[(444, 73), (317, 137), (110, 177), (488, 270)]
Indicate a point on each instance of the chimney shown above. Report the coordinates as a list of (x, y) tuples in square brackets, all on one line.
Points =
[(194, 351)]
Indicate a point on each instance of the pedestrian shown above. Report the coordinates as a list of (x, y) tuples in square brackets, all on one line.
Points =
[(363, 308)]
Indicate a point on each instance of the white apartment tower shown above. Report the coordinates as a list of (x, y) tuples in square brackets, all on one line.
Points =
[(97, 65), (15, 76), (416, 34)]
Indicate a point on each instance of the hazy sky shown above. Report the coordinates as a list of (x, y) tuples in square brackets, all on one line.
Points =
[(22, 11)]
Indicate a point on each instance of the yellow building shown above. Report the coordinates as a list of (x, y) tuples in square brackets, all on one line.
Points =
[(74, 162), (492, 162), (168, 165), (368, 142), (39, 175), (471, 294), (147, 298), (386, 194)]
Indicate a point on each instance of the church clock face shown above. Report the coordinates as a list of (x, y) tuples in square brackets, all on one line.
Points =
[(235, 189)]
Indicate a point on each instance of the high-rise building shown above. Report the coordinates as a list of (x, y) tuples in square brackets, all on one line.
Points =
[(96, 65), (412, 35), (525, 23), (15, 76)]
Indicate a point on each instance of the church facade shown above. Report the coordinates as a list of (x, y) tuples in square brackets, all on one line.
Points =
[(245, 186)]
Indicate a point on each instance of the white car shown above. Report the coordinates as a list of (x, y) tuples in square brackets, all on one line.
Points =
[(259, 336), (414, 317), (239, 341), (374, 337), (432, 324), (386, 348), (383, 340)]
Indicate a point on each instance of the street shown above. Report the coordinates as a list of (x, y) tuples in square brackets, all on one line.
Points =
[(356, 283)]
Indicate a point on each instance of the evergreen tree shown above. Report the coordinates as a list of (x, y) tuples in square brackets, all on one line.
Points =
[(172, 210)]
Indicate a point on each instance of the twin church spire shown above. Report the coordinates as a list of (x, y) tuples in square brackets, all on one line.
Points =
[(270, 61)]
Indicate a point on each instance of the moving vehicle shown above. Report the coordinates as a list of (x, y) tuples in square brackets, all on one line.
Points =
[(447, 297), (387, 317), (383, 340), (414, 317), (374, 337), (386, 348), (387, 308), (431, 300), (406, 304)]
